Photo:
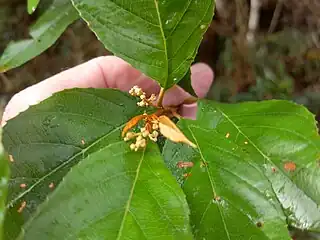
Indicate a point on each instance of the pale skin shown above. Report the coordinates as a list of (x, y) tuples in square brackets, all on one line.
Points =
[(110, 72)]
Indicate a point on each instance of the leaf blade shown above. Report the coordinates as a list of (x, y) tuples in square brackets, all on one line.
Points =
[(159, 38), (282, 139), (44, 33), (229, 197)]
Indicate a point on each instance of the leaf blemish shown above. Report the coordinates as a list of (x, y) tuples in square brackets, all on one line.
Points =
[(259, 224), (23, 185), (182, 164), (186, 175), (246, 142), (290, 166), (273, 169), (83, 142), (217, 198), (51, 185), (11, 158), (22, 206), (227, 135)]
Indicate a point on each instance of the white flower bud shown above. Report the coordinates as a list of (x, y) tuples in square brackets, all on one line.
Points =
[(132, 146), (145, 133), (155, 134), (143, 96)]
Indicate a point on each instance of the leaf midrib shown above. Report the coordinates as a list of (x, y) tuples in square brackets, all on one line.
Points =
[(164, 44), (212, 183), (127, 210)]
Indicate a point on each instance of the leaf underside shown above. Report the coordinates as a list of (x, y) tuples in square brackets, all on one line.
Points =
[(107, 190), (158, 37), (48, 28), (267, 135)]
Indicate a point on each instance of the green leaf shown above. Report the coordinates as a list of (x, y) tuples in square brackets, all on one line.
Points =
[(44, 33), (110, 192), (274, 133), (229, 196), (4, 176), (32, 5), (158, 37), (114, 193)]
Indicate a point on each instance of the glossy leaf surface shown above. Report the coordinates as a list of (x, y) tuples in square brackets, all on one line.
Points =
[(110, 190), (32, 5), (44, 33), (158, 37), (229, 196), (276, 134)]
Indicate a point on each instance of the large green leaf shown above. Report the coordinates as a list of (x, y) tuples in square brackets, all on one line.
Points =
[(111, 192), (281, 138), (229, 196), (4, 179), (44, 33), (274, 133), (158, 37)]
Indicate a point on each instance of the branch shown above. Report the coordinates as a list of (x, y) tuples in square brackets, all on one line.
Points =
[(253, 22)]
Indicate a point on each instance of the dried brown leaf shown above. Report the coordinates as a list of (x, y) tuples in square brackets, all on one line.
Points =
[(131, 123), (172, 132)]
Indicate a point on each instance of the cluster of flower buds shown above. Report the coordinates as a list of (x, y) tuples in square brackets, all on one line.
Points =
[(149, 131), (137, 92)]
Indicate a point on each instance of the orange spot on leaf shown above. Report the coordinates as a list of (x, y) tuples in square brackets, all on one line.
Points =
[(132, 122), (23, 185), (186, 175), (51, 185), (184, 164), (217, 198), (172, 132), (22, 206), (290, 166)]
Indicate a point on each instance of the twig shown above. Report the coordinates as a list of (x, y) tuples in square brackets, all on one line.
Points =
[(275, 17), (253, 22), (160, 98)]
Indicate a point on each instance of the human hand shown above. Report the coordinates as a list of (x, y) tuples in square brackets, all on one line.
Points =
[(110, 72)]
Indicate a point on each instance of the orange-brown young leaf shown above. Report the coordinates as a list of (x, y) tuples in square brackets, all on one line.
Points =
[(172, 132), (132, 122)]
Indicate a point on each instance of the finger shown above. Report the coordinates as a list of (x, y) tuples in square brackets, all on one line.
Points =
[(201, 80), (101, 72)]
